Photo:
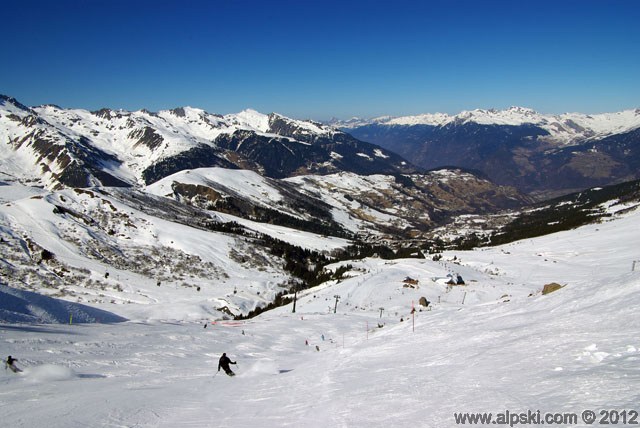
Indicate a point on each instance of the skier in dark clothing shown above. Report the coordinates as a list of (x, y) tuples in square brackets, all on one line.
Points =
[(11, 363), (224, 363)]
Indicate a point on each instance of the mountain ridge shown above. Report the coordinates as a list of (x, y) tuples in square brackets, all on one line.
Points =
[(116, 147)]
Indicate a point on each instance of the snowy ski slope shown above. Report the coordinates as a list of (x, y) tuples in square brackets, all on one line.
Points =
[(493, 345)]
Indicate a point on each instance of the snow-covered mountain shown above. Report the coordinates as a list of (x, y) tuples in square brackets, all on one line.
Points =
[(539, 154), (69, 147), (567, 128), (343, 186)]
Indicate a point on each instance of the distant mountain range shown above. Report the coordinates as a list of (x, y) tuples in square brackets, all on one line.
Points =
[(540, 154), (324, 179)]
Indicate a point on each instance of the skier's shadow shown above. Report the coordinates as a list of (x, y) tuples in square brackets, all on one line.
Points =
[(91, 376), (284, 371)]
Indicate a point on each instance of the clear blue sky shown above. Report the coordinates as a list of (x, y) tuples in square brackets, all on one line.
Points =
[(318, 59)]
